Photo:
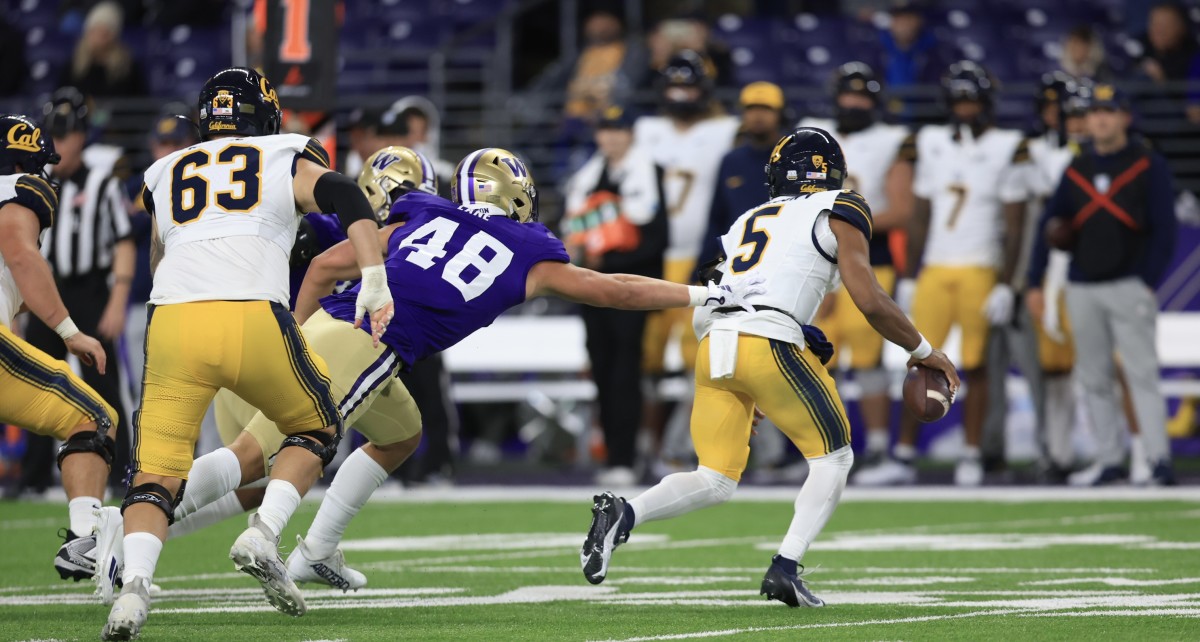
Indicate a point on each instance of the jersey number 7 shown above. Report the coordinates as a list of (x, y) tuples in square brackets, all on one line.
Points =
[(190, 190), (758, 238)]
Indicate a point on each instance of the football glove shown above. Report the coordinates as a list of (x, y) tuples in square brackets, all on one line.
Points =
[(999, 305), (735, 293), (373, 294)]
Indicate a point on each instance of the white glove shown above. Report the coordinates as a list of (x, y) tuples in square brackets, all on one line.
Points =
[(732, 294), (373, 294), (999, 305), (1051, 319), (904, 294)]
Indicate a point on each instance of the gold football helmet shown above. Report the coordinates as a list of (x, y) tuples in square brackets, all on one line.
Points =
[(392, 171), (496, 177)]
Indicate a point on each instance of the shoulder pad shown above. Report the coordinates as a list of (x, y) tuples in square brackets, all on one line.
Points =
[(851, 207), (313, 151), (36, 194), (1021, 153)]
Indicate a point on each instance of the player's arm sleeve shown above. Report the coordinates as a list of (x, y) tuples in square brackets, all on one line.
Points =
[(851, 207), (335, 193), (36, 194), (1162, 224)]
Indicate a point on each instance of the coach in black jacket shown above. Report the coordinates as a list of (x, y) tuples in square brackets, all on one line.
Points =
[(1114, 210)]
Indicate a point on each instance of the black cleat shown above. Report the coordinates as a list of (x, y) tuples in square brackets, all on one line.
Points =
[(604, 536), (788, 588), (1163, 474), (76, 557)]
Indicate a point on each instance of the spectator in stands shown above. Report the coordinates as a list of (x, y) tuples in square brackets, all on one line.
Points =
[(13, 68), (910, 54), (422, 123), (1114, 209), (689, 32), (102, 65), (739, 184), (616, 223), (1170, 51), (1083, 56), (597, 68)]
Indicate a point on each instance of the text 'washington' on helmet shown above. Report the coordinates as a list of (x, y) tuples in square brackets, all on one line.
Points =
[(238, 101), (807, 160), (494, 176), (393, 171)]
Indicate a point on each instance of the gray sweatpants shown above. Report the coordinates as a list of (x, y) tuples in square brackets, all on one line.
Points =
[(1118, 316)]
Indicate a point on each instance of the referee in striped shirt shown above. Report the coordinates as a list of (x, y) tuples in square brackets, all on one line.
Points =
[(92, 254)]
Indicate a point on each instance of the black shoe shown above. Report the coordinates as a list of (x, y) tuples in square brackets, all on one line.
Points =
[(1163, 474), (76, 557), (1110, 475), (606, 533), (779, 584)]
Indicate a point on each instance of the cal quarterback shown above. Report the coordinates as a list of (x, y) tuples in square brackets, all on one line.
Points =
[(453, 267), (37, 392), (808, 237), (964, 246), (883, 172), (224, 220)]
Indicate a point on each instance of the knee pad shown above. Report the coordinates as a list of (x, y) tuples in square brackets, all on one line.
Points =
[(872, 380), (90, 441), (325, 451), (156, 494), (720, 486)]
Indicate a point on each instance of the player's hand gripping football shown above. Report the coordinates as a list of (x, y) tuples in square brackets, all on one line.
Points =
[(735, 293), (940, 362), (89, 350), (374, 298)]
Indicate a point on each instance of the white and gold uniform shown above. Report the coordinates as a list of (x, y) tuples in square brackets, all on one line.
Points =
[(1050, 162), (226, 215), (691, 159), (37, 392), (761, 357), (873, 151), (967, 182)]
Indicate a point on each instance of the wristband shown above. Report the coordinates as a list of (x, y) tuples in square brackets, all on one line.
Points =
[(922, 351), (697, 295), (66, 329)]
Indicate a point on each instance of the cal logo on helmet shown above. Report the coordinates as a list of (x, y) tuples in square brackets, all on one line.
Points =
[(268, 92), (22, 138)]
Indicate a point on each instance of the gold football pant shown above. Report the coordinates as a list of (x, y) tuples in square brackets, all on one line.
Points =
[(789, 384), (948, 296), (363, 380), (41, 394), (252, 348), (1056, 356), (661, 325), (847, 328)]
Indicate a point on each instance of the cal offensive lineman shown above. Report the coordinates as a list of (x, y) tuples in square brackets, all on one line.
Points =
[(808, 237), (453, 268), (225, 218), (883, 172), (964, 246), (37, 392)]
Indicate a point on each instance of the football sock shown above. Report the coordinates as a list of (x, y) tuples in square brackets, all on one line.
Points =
[(970, 452), (817, 499), (218, 511), (877, 441), (789, 566), (278, 504), (141, 556), (356, 479), (1060, 420), (629, 518), (904, 453), (682, 493), (82, 512), (212, 477)]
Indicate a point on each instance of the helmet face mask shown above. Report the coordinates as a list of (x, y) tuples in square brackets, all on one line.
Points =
[(496, 177), (238, 101), (685, 85), (809, 159), (392, 172), (968, 82)]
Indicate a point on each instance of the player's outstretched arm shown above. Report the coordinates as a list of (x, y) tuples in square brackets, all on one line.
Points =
[(338, 263), (18, 246), (879, 309), (317, 189), (627, 291)]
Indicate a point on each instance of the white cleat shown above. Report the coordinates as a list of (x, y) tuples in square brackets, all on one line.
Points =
[(889, 472), (331, 571), (1140, 472), (129, 612), (110, 552), (969, 472), (256, 553)]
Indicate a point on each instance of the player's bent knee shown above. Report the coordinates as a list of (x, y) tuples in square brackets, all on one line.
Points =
[(96, 442), (157, 495), (720, 487), (839, 461), (322, 443)]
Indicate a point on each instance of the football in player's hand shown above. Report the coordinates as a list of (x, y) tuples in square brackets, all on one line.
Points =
[(927, 393), (1059, 234)]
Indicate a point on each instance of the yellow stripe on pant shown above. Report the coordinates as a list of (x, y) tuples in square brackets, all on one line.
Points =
[(789, 384), (41, 394)]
